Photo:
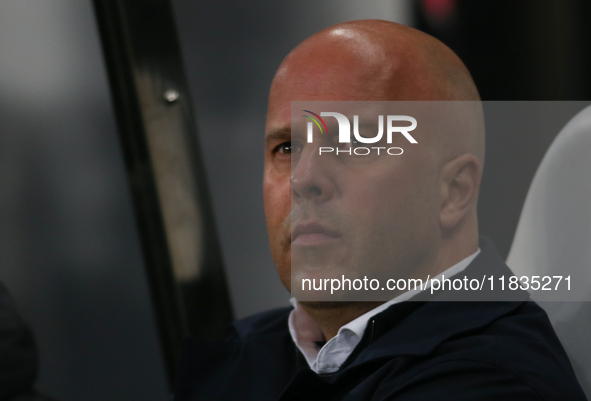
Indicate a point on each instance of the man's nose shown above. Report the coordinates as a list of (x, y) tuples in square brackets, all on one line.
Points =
[(310, 177)]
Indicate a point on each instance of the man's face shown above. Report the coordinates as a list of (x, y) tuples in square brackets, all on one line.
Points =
[(344, 214)]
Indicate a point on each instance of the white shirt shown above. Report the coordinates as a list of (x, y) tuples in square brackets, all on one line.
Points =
[(329, 358)]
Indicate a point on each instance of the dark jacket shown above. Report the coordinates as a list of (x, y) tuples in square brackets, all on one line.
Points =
[(18, 355), (414, 351)]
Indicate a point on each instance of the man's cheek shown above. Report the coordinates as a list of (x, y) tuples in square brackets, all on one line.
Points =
[(277, 203)]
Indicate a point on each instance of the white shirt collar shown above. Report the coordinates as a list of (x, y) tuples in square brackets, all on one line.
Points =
[(330, 357)]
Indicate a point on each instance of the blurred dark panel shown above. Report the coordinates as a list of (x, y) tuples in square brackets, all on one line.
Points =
[(157, 130), (517, 49)]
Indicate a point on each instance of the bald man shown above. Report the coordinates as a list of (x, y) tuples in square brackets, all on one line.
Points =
[(413, 214)]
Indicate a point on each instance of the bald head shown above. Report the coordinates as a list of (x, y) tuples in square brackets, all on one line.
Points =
[(397, 62), (382, 60)]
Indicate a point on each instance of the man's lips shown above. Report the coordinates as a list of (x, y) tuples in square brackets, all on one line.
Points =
[(310, 234)]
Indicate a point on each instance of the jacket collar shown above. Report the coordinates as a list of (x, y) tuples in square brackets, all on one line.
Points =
[(418, 326)]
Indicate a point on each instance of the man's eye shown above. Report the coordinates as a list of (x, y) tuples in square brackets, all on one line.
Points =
[(285, 148)]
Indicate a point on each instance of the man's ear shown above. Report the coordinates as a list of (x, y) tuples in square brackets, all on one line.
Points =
[(460, 180)]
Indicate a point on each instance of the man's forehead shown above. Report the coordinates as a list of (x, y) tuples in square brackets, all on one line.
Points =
[(334, 77), (326, 84)]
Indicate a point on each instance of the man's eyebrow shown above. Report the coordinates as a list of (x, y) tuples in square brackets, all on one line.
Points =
[(281, 134)]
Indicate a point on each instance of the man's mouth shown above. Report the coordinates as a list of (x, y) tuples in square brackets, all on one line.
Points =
[(312, 234)]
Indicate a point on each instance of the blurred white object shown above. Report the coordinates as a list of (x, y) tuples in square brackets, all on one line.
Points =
[(553, 237)]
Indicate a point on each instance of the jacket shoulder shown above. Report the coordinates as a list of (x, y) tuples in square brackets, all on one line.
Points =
[(519, 349)]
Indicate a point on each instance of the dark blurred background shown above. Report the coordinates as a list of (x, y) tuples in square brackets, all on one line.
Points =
[(69, 246)]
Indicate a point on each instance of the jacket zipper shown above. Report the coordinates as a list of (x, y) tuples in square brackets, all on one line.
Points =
[(371, 330)]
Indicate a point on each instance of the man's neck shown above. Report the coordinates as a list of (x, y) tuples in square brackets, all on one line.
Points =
[(331, 316)]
